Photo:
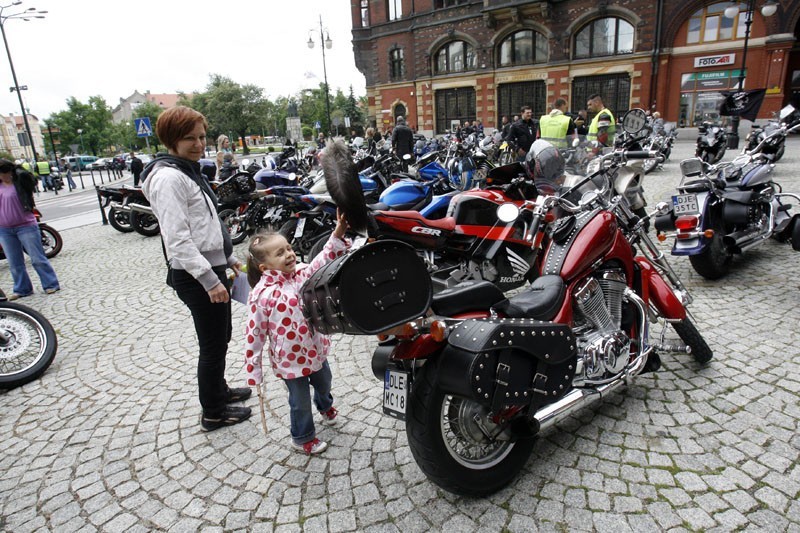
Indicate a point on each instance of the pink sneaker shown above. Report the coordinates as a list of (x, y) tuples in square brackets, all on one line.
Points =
[(329, 416), (311, 447)]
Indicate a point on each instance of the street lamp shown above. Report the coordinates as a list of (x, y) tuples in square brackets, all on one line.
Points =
[(80, 133), (325, 42), (767, 10), (25, 15)]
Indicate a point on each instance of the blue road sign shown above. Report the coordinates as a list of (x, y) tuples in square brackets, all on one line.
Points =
[(317, 125), (142, 126)]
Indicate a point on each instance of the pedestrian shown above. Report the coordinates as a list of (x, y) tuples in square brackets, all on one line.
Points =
[(68, 173), (603, 127), (136, 169), (43, 170), (223, 147), (582, 124), (320, 141), (297, 354), (198, 250), (505, 126), (658, 123), (523, 132), (19, 231), (402, 138), (557, 126)]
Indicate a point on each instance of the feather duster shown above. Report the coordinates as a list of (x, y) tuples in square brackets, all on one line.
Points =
[(344, 186)]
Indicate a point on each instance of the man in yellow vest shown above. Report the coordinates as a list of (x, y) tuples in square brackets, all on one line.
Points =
[(43, 170), (603, 127), (555, 127)]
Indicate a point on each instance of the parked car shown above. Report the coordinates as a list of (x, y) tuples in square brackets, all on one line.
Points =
[(82, 161), (99, 164), (145, 158)]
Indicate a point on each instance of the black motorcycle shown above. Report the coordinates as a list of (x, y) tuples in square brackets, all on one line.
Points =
[(770, 140), (712, 142)]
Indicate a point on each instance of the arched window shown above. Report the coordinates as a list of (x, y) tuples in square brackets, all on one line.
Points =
[(522, 48), (604, 37), (455, 56), (710, 24)]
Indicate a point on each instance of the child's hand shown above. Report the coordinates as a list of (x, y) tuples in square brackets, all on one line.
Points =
[(341, 225)]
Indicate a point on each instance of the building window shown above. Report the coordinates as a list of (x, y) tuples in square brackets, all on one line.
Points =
[(394, 8), (512, 96), (454, 106), (457, 56), (364, 13), (614, 89), (396, 64), (710, 24), (523, 48), (604, 37), (439, 4)]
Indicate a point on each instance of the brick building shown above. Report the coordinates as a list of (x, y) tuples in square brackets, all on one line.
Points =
[(441, 61)]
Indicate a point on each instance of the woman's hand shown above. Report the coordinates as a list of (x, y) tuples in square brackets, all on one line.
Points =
[(237, 267), (219, 294), (341, 225)]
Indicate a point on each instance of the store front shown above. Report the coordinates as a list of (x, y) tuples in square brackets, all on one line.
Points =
[(701, 95)]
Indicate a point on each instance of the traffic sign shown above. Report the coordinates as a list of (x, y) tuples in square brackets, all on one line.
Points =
[(142, 126), (317, 125)]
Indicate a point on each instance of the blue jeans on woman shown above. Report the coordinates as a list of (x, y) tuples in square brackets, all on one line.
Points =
[(29, 239), (302, 419)]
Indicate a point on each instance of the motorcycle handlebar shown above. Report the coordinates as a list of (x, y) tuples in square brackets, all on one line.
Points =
[(640, 154)]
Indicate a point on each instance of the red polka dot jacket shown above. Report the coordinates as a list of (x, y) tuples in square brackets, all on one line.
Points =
[(276, 324)]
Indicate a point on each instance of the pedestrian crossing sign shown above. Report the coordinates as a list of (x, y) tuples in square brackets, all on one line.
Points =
[(142, 126)]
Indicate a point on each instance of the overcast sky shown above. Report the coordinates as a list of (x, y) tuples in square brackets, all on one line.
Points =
[(110, 48)]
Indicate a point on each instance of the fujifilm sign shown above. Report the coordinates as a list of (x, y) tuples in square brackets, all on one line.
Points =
[(714, 61)]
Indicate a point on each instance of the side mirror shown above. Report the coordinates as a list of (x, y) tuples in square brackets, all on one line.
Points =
[(507, 213)]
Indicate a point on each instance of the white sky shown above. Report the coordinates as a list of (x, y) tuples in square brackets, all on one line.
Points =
[(112, 47)]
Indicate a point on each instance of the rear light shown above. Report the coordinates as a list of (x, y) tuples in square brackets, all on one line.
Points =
[(686, 222), (438, 330)]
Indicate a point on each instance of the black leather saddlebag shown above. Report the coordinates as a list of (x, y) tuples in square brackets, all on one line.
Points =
[(371, 289), (738, 206)]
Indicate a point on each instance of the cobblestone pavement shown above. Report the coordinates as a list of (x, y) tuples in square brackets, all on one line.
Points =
[(109, 438)]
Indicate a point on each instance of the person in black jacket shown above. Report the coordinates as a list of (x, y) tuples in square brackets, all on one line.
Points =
[(19, 231), (136, 169), (402, 138), (523, 132)]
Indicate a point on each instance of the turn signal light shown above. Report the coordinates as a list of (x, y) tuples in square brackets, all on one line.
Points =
[(708, 233), (438, 330), (686, 222), (661, 237), (410, 329)]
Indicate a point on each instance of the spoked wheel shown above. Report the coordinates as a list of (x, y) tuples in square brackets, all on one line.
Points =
[(448, 438), (28, 345), (235, 227), (688, 333), (119, 220), (51, 240), (144, 224)]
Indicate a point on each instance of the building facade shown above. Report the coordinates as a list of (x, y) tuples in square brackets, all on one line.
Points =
[(439, 62), (125, 111), (14, 138)]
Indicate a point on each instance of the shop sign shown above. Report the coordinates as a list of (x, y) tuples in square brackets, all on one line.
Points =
[(714, 61)]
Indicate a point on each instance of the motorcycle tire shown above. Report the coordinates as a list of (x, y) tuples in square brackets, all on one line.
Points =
[(237, 230), (144, 224), (688, 333), (796, 234), (28, 345), (714, 261), (51, 241), (720, 154), (119, 220), (318, 246), (779, 154), (448, 445)]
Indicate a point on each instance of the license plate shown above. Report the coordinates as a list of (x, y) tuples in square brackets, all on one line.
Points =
[(395, 393), (298, 231), (685, 204)]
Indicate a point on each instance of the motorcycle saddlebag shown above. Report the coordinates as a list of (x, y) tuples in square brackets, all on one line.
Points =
[(237, 185), (376, 287), (737, 206)]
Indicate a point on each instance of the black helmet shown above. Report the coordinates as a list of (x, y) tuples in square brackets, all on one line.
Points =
[(545, 166)]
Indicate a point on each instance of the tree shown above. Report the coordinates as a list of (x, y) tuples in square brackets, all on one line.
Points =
[(93, 119), (146, 109)]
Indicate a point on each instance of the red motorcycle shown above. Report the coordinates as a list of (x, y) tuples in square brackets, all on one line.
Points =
[(482, 375)]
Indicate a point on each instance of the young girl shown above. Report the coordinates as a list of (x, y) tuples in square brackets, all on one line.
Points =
[(297, 354)]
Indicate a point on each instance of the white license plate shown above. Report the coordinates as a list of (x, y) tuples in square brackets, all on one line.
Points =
[(685, 204), (395, 393), (298, 231)]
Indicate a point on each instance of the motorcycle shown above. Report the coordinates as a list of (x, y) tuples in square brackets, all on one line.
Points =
[(771, 139), (52, 242), (712, 142), (481, 376), (660, 142), (725, 210), (28, 344)]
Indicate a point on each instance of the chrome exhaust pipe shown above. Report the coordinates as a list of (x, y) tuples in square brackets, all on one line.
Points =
[(139, 208), (119, 207)]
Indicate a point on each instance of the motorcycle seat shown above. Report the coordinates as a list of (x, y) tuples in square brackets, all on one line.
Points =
[(541, 301), (445, 224), (466, 296)]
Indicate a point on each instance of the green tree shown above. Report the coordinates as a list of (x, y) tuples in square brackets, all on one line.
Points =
[(92, 118), (152, 111)]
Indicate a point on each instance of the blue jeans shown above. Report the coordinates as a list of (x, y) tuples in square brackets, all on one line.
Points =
[(29, 239), (302, 419)]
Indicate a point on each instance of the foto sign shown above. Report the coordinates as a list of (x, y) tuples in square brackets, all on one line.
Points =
[(714, 61)]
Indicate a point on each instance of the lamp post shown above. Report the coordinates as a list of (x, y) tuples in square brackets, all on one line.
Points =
[(767, 10), (80, 134), (26, 15), (325, 42)]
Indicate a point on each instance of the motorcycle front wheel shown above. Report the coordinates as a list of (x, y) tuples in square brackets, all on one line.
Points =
[(51, 241), (28, 345), (447, 437), (688, 333), (237, 230), (119, 220)]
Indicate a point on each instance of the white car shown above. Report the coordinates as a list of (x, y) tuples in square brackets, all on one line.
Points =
[(100, 164), (145, 158)]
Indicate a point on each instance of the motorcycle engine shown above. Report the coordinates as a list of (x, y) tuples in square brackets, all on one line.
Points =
[(603, 348)]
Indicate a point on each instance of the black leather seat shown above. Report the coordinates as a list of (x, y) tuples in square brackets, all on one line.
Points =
[(541, 301), (466, 296)]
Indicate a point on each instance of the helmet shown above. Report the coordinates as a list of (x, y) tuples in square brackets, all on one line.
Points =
[(545, 166)]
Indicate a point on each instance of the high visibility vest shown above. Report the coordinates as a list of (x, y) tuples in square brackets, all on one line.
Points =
[(611, 130), (43, 168), (26, 166), (553, 129)]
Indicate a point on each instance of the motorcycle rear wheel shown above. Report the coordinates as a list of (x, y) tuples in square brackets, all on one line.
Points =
[(779, 153), (688, 333), (237, 230), (119, 220), (144, 224), (29, 346), (51, 241), (445, 437), (714, 262)]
